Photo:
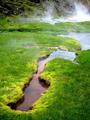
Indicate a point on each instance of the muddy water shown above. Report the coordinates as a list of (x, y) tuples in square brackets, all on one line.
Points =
[(31, 94), (37, 86), (34, 89)]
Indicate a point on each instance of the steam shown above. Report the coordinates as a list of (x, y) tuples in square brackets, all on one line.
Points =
[(82, 37), (80, 13), (49, 11), (77, 13)]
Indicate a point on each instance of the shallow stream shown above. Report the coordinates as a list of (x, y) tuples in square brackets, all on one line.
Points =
[(36, 87)]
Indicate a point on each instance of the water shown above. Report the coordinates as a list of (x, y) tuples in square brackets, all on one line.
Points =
[(62, 54), (33, 90), (83, 38), (31, 94)]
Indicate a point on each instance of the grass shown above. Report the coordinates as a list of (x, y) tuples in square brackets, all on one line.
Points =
[(19, 53), (66, 98), (68, 95), (11, 24), (21, 44)]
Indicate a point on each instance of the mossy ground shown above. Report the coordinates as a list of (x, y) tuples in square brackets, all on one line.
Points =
[(21, 44), (11, 24), (68, 95), (17, 7)]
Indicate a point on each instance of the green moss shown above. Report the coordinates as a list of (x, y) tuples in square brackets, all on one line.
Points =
[(68, 95), (19, 53), (83, 58), (16, 7), (11, 24)]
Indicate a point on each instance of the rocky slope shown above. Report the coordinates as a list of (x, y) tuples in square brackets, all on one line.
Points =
[(9, 7)]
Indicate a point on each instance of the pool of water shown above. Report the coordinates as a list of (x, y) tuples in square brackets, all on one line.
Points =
[(83, 38), (62, 54)]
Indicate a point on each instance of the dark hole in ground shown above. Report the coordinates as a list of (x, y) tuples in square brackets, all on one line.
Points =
[(44, 83), (13, 106)]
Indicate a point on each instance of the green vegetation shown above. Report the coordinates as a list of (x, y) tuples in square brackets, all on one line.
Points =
[(19, 53), (15, 7), (68, 95), (12, 24), (21, 44)]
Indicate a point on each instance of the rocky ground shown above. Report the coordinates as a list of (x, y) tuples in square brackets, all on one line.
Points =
[(15, 7)]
